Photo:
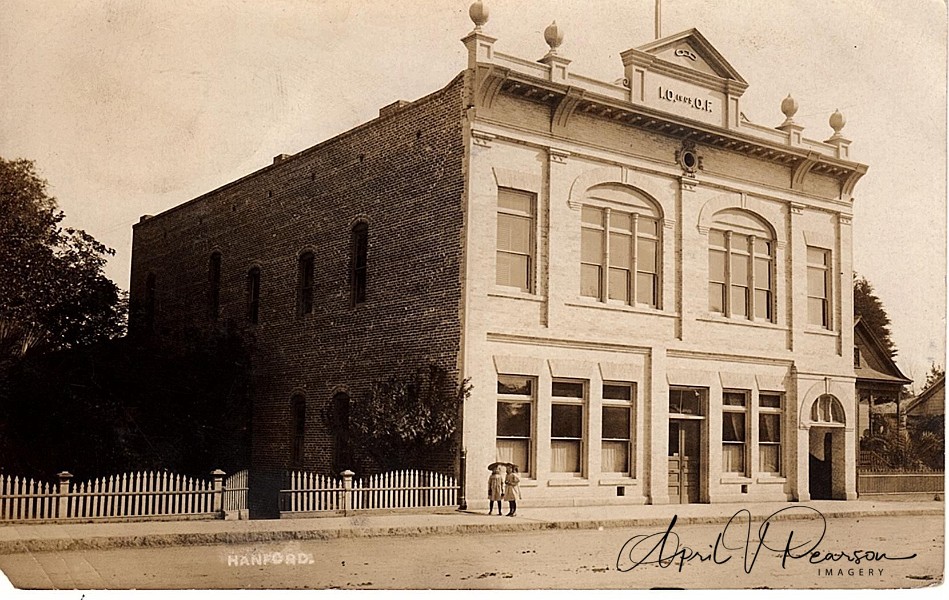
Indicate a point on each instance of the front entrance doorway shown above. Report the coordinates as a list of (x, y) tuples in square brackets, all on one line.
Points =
[(827, 450), (821, 460), (685, 460)]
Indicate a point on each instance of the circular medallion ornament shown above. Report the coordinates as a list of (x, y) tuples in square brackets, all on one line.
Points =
[(688, 158)]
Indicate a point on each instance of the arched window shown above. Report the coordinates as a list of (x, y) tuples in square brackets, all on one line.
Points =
[(253, 295), (359, 263), (828, 410), (305, 284), (297, 429), (741, 266), (214, 285), (620, 247)]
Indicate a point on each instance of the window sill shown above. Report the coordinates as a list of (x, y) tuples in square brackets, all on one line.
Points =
[(736, 479), (516, 295), (528, 483), (617, 481), (815, 330), (571, 482), (770, 479), (742, 322), (642, 310)]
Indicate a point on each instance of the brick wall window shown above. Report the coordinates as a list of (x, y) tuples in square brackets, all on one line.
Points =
[(305, 266), (741, 268), (567, 427), (619, 256), (617, 428), (734, 432), (515, 239), (253, 295), (360, 265), (769, 432), (214, 285), (297, 430), (514, 420), (818, 287)]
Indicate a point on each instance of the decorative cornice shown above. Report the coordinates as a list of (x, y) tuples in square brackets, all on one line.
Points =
[(797, 209)]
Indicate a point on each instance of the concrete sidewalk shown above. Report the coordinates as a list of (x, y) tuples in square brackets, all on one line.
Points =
[(16, 538)]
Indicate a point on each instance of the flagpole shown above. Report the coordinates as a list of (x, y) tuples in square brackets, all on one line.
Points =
[(658, 19)]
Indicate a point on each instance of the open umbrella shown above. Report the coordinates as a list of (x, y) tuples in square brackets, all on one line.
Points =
[(495, 465)]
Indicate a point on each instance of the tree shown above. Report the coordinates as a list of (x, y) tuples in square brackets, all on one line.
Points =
[(407, 421), (127, 404), (869, 308), (52, 286), (935, 372)]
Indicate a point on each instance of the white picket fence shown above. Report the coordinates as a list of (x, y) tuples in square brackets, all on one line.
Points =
[(312, 492), (140, 495), (235, 492)]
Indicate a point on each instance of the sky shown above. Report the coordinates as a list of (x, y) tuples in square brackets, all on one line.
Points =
[(131, 107)]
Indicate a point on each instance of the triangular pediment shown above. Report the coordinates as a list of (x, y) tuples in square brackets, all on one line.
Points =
[(690, 50)]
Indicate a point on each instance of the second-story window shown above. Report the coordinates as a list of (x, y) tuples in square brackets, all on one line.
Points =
[(360, 265), (214, 285), (818, 287), (619, 256), (253, 295), (515, 240), (305, 284), (741, 268)]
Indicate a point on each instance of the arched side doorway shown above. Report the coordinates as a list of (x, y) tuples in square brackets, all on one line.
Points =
[(342, 448), (827, 460)]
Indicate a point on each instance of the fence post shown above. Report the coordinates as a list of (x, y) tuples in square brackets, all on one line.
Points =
[(347, 491), (63, 512), (218, 476), (462, 466)]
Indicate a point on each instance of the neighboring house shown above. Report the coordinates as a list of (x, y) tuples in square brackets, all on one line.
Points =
[(930, 403), (650, 295), (879, 382)]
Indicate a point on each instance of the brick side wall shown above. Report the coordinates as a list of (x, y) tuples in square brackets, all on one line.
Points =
[(403, 175)]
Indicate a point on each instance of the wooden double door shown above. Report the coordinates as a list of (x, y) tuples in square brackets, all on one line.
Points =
[(685, 460)]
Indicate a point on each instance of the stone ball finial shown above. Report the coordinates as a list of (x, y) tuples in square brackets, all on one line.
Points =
[(553, 35), (789, 107), (478, 13), (837, 122)]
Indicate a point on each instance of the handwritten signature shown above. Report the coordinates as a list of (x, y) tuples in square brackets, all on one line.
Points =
[(665, 548)]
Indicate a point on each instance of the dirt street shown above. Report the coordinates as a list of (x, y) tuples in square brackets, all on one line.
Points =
[(559, 559)]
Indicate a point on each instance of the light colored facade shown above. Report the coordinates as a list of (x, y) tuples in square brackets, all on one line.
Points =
[(657, 296)]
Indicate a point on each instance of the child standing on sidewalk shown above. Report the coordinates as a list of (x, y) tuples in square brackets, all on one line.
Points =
[(495, 489), (512, 490)]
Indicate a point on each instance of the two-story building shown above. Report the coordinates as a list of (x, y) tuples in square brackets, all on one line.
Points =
[(650, 295)]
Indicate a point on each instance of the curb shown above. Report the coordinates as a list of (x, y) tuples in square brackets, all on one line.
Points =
[(166, 540)]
